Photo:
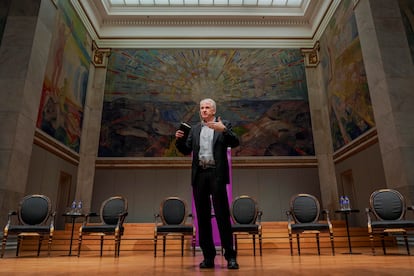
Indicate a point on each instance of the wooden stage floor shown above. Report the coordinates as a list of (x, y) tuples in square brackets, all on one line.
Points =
[(273, 262)]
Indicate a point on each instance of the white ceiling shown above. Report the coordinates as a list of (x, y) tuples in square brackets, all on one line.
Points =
[(205, 23)]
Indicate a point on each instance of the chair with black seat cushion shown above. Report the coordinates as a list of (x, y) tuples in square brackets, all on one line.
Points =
[(112, 216), (34, 218), (388, 207), (246, 219), (173, 219), (304, 217)]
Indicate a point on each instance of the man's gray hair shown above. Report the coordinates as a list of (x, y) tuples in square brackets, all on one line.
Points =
[(211, 101)]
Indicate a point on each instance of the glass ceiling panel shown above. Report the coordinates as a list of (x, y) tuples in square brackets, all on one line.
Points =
[(230, 3)]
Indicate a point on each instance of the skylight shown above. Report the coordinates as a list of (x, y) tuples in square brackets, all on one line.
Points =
[(209, 3)]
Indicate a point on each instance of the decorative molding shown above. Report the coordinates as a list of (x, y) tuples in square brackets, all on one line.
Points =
[(185, 162), (200, 21), (361, 143), (100, 56), (311, 55), (204, 43), (48, 143), (136, 28)]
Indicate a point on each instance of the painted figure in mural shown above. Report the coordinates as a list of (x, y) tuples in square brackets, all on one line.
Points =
[(208, 141)]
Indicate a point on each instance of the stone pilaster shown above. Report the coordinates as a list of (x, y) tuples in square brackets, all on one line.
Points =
[(23, 56), (321, 128), (390, 75), (91, 126)]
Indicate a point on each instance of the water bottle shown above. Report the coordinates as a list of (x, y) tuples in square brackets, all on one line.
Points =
[(73, 207), (342, 202), (79, 210), (347, 203)]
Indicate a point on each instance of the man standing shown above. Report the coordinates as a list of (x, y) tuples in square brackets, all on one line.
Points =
[(208, 141)]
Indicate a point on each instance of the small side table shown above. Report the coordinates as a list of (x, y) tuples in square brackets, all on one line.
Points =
[(346, 212), (73, 217)]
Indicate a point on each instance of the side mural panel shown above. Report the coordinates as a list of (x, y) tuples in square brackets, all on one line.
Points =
[(64, 87), (350, 107)]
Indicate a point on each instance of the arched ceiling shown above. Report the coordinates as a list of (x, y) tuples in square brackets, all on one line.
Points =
[(205, 23)]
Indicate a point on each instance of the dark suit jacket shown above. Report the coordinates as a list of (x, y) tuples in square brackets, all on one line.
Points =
[(221, 141)]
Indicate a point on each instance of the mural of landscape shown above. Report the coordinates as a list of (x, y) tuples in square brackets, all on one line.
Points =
[(148, 92), (66, 78), (350, 107)]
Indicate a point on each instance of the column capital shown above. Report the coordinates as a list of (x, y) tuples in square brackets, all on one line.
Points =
[(100, 56), (311, 55)]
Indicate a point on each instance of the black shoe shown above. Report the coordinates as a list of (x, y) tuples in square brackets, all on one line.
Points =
[(232, 264), (207, 264)]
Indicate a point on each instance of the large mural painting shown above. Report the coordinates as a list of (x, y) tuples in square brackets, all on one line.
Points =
[(350, 107), (64, 86), (148, 92)]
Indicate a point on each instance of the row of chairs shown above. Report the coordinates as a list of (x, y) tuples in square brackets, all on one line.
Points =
[(386, 214), (35, 218), (173, 217)]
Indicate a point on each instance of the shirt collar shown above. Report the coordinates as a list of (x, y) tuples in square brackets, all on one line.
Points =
[(204, 124)]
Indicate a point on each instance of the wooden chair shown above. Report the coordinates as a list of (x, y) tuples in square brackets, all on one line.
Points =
[(173, 220), (303, 217), (34, 218), (246, 219), (388, 208), (112, 216)]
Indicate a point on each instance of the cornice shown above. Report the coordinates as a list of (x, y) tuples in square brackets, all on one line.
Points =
[(126, 28), (205, 21)]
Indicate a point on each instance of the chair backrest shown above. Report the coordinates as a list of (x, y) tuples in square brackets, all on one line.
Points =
[(387, 204), (112, 208), (244, 210), (34, 209), (305, 208), (173, 211)]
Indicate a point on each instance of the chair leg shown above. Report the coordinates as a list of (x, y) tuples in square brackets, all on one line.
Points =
[(164, 238), (291, 245), (39, 244), (332, 243), (155, 245), (49, 244), (3, 244), (79, 244), (254, 245), (317, 241), (406, 243), (182, 245), (235, 242), (260, 244), (193, 243), (117, 245), (383, 244), (102, 238), (371, 239), (19, 241), (297, 240)]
